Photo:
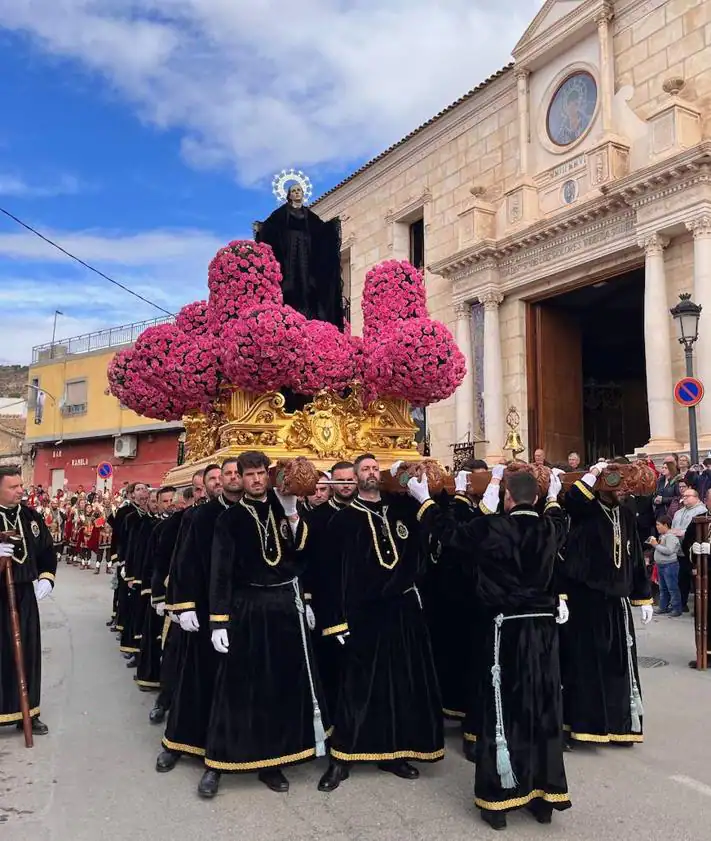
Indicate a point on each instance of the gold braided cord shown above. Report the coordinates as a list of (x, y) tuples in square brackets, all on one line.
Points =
[(263, 532), (537, 794), (371, 522), (387, 757)]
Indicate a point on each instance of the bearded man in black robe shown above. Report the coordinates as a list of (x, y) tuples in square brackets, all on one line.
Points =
[(29, 547), (389, 709), (513, 558), (309, 253), (604, 575)]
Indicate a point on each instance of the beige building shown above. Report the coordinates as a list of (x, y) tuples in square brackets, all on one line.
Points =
[(559, 209)]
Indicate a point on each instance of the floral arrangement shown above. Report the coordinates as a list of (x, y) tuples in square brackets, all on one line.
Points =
[(265, 349), (241, 276), (130, 388), (192, 319), (394, 291), (331, 359)]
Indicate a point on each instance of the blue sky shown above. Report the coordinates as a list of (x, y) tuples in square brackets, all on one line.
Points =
[(143, 134)]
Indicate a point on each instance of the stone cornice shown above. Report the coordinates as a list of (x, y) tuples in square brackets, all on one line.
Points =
[(409, 207)]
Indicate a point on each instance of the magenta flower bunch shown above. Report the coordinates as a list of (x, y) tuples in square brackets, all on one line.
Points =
[(241, 276), (131, 389), (393, 291), (331, 358), (265, 349), (192, 318)]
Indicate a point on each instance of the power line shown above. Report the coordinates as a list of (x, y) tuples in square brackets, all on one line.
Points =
[(80, 261)]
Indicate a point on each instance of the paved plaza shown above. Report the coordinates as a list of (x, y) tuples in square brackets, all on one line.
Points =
[(92, 778)]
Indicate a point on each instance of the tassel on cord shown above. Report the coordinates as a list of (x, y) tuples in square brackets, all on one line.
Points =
[(319, 733), (636, 706), (503, 756)]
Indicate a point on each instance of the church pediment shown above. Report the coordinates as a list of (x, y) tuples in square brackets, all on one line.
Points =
[(559, 23)]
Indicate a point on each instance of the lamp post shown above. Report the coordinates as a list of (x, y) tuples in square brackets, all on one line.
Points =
[(54, 333), (686, 315)]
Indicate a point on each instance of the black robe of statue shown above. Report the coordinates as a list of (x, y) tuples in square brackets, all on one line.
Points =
[(458, 626), (186, 731), (128, 555), (267, 710), (513, 558), (389, 703), (171, 648), (34, 559), (318, 580), (309, 253), (148, 671), (597, 679)]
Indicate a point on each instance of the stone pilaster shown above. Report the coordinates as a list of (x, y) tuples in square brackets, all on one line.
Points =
[(464, 395), (493, 376), (700, 227)]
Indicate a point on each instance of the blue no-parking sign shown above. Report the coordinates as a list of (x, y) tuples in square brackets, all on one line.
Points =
[(104, 470), (689, 392)]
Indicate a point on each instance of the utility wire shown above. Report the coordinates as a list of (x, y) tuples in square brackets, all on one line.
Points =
[(81, 262)]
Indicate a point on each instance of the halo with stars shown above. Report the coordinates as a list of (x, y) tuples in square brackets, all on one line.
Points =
[(284, 179)]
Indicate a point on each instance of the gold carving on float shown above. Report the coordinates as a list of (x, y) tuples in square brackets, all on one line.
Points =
[(329, 428)]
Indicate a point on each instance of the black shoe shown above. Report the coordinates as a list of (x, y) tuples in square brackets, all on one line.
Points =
[(692, 664), (541, 811), (274, 779), (685, 609), (167, 760), (132, 662), (39, 728), (157, 714), (336, 774), (208, 785), (400, 768), (496, 820), (110, 622), (469, 751)]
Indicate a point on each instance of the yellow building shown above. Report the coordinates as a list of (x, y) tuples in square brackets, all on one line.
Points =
[(75, 424)]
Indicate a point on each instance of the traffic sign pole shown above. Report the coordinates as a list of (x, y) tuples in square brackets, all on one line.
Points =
[(693, 430)]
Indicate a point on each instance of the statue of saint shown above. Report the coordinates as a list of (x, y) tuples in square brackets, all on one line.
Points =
[(309, 253)]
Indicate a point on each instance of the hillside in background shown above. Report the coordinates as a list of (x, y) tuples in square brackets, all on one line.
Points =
[(13, 380)]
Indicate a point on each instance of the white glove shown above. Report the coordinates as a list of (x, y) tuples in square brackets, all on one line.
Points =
[(563, 612), (343, 637), (288, 502), (220, 641), (647, 613), (42, 589), (600, 466), (395, 467), (556, 471), (122, 573), (160, 609), (310, 618), (695, 548), (419, 489), (175, 618), (189, 621), (461, 480), (7, 550), (497, 471), (706, 548), (554, 488)]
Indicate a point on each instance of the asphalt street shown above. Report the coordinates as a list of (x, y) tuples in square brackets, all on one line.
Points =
[(93, 778)]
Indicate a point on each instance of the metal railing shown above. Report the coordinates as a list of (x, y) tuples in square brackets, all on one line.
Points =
[(126, 334)]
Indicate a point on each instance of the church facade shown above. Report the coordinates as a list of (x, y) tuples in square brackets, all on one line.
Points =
[(558, 210)]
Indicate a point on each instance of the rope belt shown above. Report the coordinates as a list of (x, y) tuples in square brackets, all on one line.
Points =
[(636, 708), (503, 757), (414, 590), (319, 731)]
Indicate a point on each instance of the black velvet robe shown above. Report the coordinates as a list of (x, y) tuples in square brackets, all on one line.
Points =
[(138, 537), (318, 580), (389, 702), (127, 594), (34, 559), (514, 559), (267, 694), (148, 671), (186, 731), (309, 253), (120, 525), (594, 653)]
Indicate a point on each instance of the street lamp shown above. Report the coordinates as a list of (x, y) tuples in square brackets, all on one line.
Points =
[(686, 314)]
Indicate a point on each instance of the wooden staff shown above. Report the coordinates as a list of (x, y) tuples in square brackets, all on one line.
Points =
[(17, 651)]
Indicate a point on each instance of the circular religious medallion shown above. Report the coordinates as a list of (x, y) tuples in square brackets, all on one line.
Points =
[(613, 479), (35, 529), (572, 108), (284, 529), (401, 530), (570, 191)]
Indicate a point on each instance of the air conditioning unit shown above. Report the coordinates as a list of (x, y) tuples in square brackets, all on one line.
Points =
[(126, 446)]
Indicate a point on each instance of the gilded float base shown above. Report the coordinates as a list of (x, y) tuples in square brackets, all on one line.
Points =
[(329, 429)]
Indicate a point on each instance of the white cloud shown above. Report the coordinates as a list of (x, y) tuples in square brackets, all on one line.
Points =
[(166, 267), (16, 186), (256, 86)]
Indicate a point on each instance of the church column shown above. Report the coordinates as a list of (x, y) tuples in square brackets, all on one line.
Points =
[(493, 376), (657, 347), (464, 395), (607, 76), (523, 120), (701, 229)]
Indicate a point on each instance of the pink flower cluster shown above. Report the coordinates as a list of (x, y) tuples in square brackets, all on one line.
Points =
[(192, 318), (242, 275), (129, 387), (407, 355), (394, 291), (331, 358)]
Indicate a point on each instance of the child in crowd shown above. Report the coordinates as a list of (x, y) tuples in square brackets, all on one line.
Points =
[(666, 550)]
